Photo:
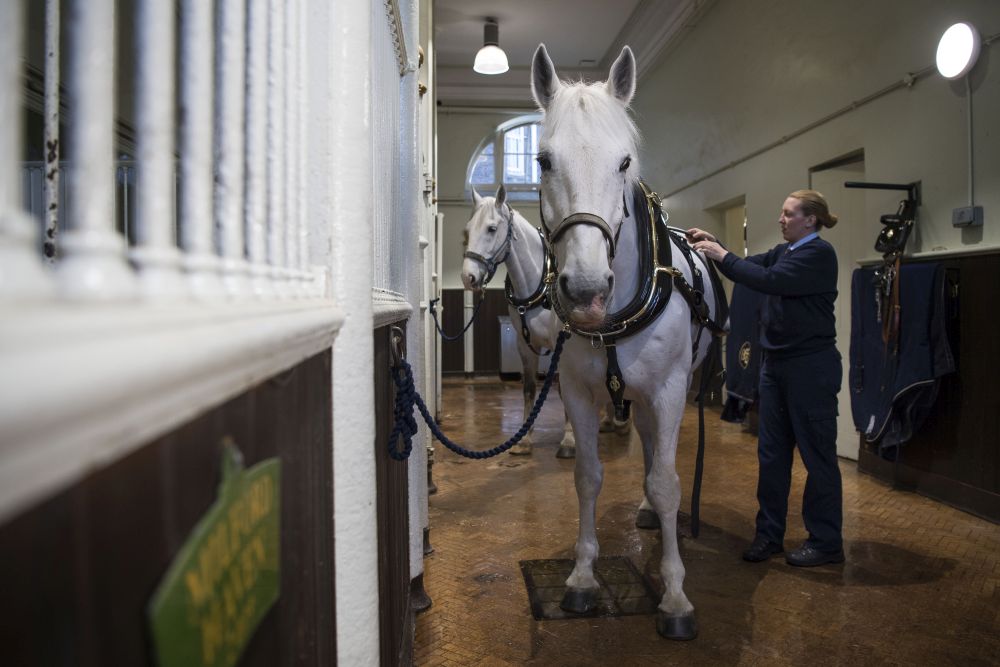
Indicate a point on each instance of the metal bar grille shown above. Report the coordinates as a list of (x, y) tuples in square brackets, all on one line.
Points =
[(389, 255), (220, 213)]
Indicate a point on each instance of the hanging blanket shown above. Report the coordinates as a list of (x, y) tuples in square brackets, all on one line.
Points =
[(893, 385), (743, 353)]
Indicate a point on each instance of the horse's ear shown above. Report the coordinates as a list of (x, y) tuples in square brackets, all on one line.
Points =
[(475, 198), (501, 196), (621, 80), (544, 82)]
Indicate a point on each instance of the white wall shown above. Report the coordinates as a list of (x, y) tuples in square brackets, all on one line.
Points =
[(751, 73), (459, 135)]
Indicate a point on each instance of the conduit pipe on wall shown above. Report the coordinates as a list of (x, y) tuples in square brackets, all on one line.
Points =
[(50, 183), (907, 81)]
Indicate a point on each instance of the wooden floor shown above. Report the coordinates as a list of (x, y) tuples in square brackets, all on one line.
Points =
[(920, 585)]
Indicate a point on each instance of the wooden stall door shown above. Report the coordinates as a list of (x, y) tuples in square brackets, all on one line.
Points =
[(80, 568), (395, 615)]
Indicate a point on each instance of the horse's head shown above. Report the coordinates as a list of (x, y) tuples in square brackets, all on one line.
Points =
[(588, 156), (488, 234)]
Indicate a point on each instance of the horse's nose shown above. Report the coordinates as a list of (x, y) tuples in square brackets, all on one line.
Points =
[(587, 293), (470, 280)]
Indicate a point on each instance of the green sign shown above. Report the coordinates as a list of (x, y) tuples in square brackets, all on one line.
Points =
[(225, 577)]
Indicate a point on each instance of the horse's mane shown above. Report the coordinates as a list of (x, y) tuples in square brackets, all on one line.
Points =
[(587, 108)]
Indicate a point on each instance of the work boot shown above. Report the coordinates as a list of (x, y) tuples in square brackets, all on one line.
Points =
[(761, 549)]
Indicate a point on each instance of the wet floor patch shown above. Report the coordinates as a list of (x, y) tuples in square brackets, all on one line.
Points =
[(624, 591)]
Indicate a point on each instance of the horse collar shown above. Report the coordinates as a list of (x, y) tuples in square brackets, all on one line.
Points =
[(538, 297)]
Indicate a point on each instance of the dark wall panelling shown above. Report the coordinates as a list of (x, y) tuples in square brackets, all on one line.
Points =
[(485, 332), (392, 500), (80, 569), (452, 352), (955, 456)]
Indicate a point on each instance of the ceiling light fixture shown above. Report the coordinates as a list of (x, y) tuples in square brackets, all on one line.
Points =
[(957, 51), (491, 59)]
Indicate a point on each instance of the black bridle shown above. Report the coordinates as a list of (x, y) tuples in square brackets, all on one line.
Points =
[(499, 256), (591, 219)]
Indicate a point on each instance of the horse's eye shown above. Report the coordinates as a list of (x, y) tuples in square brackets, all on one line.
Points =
[(543, 162), (492, 229), (625, 163)]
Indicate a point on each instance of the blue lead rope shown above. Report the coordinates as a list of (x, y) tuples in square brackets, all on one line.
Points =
[(406, 423)]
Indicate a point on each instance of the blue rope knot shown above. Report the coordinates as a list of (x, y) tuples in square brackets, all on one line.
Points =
[(406, 424)]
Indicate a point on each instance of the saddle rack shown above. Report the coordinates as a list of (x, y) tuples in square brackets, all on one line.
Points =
[(891, 242)]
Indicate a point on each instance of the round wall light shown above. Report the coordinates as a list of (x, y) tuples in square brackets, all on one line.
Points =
[(957, 51)]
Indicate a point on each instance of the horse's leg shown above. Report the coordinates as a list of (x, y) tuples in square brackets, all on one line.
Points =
[(610, 424), (567, 448), (646, 518), (608, 418), (529, 367), (581, 586), (675, 618)]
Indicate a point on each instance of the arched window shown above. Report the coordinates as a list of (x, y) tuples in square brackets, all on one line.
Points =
[(508, 156)]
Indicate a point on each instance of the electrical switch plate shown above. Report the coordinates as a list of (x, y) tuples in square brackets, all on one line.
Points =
[(967, 216)]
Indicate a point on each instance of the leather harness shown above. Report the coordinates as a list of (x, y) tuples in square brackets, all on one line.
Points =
[(658, 278), (538, 298)]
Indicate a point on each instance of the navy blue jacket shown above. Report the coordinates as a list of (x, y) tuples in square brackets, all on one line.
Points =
[(800, 287)]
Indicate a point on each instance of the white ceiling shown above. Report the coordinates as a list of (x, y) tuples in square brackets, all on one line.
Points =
[(583, 38), (573, 30)]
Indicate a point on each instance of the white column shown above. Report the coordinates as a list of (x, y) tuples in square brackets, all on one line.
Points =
[(303, 108), (437, 294), (340, 180), (468, 344), (256, 146), (52, 149), (290, 149), (21, 274), (156, 253), (276, 192), (93, 265), (200, 261), (410, 217), (230, 72)]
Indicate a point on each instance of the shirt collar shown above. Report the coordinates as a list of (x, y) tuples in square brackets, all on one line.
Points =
[(802, 241)]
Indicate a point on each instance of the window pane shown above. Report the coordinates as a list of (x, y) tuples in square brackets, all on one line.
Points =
[(482, 172), (520, 149)]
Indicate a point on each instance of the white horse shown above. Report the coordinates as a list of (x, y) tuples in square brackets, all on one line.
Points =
[(497, 234), (588, 154)]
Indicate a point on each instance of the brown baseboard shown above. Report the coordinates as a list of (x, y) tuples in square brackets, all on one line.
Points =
[(979, 502)]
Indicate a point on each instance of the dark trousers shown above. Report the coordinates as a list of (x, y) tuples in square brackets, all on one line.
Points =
[(798, 406)]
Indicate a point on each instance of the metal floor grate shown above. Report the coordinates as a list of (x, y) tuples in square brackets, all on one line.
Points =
[(624, 591)]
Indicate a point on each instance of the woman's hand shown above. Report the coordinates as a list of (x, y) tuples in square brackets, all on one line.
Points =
[(694, 234), (711, 249)]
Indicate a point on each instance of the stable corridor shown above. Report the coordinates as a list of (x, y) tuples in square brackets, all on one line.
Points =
[(920, 585)]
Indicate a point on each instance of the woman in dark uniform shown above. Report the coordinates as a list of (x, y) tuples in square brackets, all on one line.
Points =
[(800, 377)]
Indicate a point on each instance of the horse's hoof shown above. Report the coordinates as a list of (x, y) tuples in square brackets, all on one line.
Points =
[(566, 452), (679, 628), (521, 449), (579, 600), (623, 428), (647, 520), (606, 427)]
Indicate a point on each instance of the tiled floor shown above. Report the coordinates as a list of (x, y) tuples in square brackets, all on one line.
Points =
[(920, 585)]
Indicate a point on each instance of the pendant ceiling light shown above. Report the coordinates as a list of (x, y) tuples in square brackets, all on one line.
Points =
[(491, 59), (957, 51)]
